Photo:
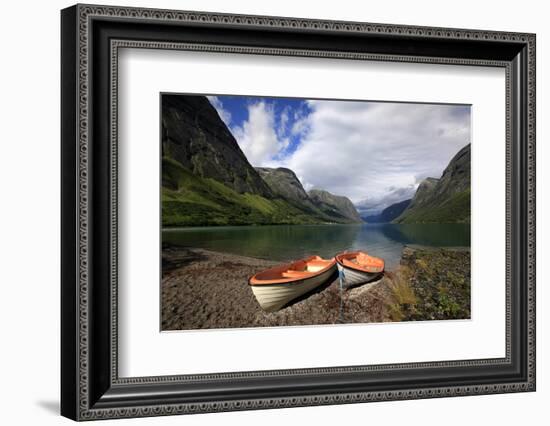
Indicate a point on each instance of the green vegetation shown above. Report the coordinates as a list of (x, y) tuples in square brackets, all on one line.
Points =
[(402, 299), (452, 210), (191, 200), (430, 284)]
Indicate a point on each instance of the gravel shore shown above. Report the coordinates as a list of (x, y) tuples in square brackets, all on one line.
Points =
[(202, 289)]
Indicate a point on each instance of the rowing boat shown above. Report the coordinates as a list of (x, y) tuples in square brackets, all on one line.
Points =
[(357, 267), (276, 287)]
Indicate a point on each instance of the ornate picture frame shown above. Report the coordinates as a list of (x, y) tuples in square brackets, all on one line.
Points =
[(91, 37)]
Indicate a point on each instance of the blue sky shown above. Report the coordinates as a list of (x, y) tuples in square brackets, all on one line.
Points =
[(285, 116), (375, 153)]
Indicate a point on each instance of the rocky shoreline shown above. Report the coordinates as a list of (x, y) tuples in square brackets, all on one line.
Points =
[(202, 289)]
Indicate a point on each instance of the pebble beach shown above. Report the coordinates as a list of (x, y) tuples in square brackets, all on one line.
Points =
[(203, 289)]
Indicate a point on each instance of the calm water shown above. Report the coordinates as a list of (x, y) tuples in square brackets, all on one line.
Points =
[(286, 243)]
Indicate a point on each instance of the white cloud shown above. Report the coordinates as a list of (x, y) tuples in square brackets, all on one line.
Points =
[(307, 186), (258, 136), (223, 113), (300, 126), (283, 123), (367, 151)]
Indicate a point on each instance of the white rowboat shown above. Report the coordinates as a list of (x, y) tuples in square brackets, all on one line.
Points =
[(276, 287), (357, 268)]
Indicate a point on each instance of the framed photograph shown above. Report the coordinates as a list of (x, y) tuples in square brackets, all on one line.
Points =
[(263, 212)]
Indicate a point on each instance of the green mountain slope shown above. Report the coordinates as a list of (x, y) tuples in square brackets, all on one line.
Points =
[(444, 200), (454, 209), (191, 200)]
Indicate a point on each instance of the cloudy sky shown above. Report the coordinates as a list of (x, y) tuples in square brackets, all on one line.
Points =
[(375, 153)]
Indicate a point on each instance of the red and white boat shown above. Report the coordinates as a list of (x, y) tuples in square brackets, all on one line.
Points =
[(276, 287), (357, 268)]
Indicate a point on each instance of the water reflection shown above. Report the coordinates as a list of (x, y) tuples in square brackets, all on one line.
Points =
[(428, 234), (295, 241), (267, 242)]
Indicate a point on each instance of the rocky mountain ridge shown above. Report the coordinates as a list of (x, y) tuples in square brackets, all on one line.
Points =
[(334, 204), (328, 207), (194, 135)]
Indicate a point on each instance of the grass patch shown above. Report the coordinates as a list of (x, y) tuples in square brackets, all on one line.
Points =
[(429, 285), (402, 299)]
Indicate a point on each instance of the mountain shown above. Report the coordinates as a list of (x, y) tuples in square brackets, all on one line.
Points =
[(194, 135), (207, 179), (191, 200), (334, 205), (424, 193), (283, 182), (389, 213), (443, 200)]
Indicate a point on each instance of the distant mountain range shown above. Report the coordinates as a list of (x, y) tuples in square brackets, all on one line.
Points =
[(207, 180), (443, 200), (389, 213)]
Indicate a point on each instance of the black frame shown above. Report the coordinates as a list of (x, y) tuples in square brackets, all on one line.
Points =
[(91, 37)]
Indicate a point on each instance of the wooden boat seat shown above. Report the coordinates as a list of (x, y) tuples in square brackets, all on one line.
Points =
[(296, 274), (317, 265)]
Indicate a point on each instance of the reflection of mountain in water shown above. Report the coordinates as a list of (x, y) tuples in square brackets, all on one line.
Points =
[(269, 242), (438, 235), (284, 243)]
